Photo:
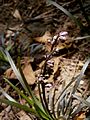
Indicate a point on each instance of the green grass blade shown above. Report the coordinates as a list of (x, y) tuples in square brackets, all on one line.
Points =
[(3, 56), (22, 107), (19, 77), (30, 102), (6, 95), (25, 82), (43, 114), (40, 111), (36, 101)]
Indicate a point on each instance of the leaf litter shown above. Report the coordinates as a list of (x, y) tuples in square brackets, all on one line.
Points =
[(58, 63)]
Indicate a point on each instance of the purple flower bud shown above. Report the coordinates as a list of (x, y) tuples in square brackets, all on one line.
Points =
[(63, 33)]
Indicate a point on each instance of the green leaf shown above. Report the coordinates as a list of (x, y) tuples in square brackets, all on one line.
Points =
[(22, 107), (42, 114), (35, 100), (18, 75), (6, 95), (29, 101), (25, 82), (3, 56)]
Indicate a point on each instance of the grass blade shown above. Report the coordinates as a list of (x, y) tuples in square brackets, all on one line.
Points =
[(6, 95), (77, 78), (82, 100), (23, 107), (24, 80), (30, 102), (81, 38), (78, 23), (19, 77)]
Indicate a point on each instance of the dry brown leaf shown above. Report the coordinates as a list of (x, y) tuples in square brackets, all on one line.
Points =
[(9, 33), (80, 117), (16, 14), (29, 74), (27, 70), (17, 27), (44, 38), (23, 116), (56, 64), (10, 74)]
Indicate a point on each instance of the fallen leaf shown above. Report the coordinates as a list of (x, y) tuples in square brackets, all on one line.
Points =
[(9, 73), (9, 33), (17, 27), (23, 116), (16, 14), (29, 74), (44, 38), (80, 117), (27, 70)]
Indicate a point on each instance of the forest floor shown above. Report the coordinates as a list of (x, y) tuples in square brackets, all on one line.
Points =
[(31, 28)]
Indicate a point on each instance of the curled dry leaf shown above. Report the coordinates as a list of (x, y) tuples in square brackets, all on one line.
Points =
[(16, 14), (9, 73), (44, 38)]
